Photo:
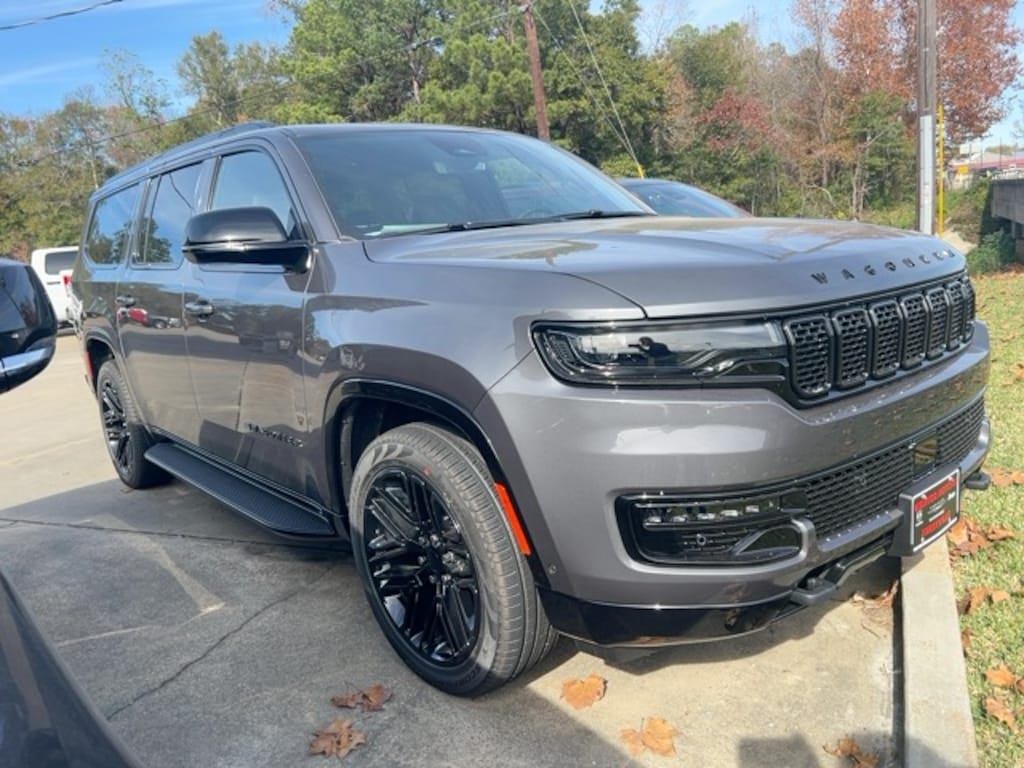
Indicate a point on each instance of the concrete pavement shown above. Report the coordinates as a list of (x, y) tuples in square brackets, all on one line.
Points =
[(208, 642)]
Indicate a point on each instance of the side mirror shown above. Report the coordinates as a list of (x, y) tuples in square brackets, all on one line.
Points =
[(28, 325), (243, 236)]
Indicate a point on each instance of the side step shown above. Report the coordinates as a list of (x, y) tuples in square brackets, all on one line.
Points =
[(264, 506)]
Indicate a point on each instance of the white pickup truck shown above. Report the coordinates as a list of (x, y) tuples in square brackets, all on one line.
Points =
[(49, 264)]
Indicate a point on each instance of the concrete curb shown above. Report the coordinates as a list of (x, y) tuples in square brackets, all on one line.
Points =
[(938, 727)]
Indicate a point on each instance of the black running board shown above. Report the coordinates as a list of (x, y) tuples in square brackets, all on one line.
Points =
[(275, 511)]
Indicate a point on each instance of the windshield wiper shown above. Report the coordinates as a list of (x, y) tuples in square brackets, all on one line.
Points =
[(465, 226)]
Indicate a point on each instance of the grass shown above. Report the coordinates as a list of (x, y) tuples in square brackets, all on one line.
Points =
[(997, 630)]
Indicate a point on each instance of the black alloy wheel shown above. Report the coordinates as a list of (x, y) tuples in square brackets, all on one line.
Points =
[(440, 567), (127, 439), (420, 568)]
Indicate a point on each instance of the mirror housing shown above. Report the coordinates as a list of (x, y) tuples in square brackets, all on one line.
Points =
[(252, 235), (28, 325)]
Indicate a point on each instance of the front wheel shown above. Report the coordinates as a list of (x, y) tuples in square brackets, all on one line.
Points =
[(439, 564), (127, 439)]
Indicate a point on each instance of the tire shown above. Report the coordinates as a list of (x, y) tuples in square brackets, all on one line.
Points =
[(439, 565), (126, 437)]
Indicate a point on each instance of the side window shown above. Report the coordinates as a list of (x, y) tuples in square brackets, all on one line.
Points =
[(251, 178), (111, 227), (164, 226)]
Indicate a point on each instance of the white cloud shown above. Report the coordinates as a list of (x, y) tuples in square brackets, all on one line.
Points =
[(42, 73)]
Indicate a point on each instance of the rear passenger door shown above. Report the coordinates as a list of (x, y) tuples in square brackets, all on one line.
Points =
[(149, 305), (244, 336)]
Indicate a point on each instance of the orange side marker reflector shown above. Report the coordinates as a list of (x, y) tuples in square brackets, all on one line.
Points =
[(513, 519)]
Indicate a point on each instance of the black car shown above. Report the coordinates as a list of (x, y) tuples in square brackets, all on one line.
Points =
[(28, 326), (673, 198), (45, 719)]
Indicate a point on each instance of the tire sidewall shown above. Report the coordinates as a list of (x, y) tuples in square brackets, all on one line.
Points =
[(141, 473), (474, 670)]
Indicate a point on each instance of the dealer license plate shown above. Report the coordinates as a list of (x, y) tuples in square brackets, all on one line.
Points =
[(930, 512)]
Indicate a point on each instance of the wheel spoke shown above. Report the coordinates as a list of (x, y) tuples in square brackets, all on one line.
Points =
[(421, 570), (453, 616)]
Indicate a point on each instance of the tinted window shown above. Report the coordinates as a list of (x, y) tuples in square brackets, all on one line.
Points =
[(59, 260), (164, 227), (251, 178), (384, 183), (111, 226)]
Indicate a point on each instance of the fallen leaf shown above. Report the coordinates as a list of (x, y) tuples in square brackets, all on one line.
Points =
[(655, 734), (1019, 685), (849, 748), (584, 693), (959, 533), (1000, 478), (1001, 677), (338, 738), (998, 595), (376, 696), (881, 600), (999, 533), (1018, 371), (966, 638), (370, 700), (995, 708), (658, 736), (973, 599), (633, 740)]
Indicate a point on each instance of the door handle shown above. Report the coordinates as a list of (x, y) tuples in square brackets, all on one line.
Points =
[(124, 300), (199, 308)]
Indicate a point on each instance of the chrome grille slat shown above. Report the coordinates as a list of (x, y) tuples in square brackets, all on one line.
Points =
[(847, 347)]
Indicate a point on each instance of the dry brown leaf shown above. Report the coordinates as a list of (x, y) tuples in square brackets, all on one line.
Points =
[(998, 595), (959, 533), (584, 693), (849, 748), (655, 734), (1000, 477), (974, 598), (376, 696), (1001, 676), (633, 740), (999, 533), (997, 709), (966, 638), (338, 738), (1019, 685), (1018, 371), (881, 600), (370, 700)]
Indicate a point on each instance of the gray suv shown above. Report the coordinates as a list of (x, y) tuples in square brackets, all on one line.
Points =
[(531, 405)]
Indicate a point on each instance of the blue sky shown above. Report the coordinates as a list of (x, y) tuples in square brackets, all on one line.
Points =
[(42, 64)]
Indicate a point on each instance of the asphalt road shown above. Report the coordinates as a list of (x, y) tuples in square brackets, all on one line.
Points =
[(208, 642)]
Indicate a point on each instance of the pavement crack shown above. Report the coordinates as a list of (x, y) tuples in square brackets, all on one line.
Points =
[(10, 521), (220, 641)]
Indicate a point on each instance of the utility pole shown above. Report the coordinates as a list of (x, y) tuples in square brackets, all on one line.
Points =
[(539, 104), (926, 66)]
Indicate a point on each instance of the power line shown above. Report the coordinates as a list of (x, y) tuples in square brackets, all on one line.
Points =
[(59, 15)]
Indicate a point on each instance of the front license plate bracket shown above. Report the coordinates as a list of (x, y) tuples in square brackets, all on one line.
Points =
[(928, 511)]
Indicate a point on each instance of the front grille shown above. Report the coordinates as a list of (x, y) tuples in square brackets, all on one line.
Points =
[(844, 348), (835, 500)]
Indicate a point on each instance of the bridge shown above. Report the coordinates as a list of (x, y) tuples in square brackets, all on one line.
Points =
[(1008, 203)]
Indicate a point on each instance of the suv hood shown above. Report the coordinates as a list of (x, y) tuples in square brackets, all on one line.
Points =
[(673, 267)]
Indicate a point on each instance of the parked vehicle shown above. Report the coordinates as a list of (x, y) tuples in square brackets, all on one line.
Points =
[(531, 405), (48, 264), (45, 720), (28, 326), (673, 198)]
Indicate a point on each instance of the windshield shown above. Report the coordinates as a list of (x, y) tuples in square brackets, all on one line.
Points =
[(382, 182)]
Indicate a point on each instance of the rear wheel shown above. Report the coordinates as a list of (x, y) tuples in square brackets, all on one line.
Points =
[(439, 565), (126, 437)]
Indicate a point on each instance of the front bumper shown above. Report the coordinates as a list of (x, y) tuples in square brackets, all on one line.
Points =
[(569, 453)]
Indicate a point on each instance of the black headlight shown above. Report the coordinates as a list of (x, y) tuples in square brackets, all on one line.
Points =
[(664, 354)]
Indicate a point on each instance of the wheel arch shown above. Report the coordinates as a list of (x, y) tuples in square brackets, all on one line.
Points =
[(358, 410)]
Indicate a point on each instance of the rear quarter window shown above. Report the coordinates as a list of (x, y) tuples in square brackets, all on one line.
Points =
[(57, 261), (110, 227)]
